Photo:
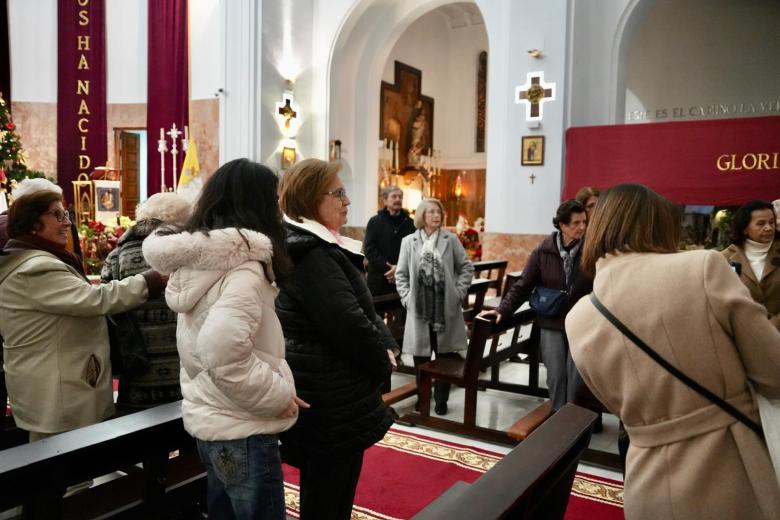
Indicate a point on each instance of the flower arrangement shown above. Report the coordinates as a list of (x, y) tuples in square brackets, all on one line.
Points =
[(471, 238), (98, 240)]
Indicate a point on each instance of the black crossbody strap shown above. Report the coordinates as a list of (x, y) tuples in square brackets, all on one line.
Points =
[(741, 417)]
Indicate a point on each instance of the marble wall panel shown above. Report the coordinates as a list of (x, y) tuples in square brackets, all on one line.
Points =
[(36, 125), (204, 128), (512, 247)]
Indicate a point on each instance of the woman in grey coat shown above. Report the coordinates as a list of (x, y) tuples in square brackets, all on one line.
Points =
[(432, 277)]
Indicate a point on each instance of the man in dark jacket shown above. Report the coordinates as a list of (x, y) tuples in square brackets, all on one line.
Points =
[(384, 233)]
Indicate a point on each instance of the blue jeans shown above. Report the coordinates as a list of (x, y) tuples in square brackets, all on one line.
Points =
[(244, 478)]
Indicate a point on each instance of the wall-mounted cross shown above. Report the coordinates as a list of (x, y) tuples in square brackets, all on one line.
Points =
[(532, 177), (533, 94), (287, 112)]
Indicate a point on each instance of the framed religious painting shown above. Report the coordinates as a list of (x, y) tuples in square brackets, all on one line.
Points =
[(288, 157), (108, 201), (532, 150)]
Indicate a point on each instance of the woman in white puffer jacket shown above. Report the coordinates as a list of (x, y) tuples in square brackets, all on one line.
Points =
[(238, 391)]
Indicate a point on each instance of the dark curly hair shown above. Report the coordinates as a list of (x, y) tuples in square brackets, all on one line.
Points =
[(742, 220), (565, 211)]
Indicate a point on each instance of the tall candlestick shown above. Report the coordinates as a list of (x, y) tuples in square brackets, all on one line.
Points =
[(174, 133), (162, 147), (396, 164)]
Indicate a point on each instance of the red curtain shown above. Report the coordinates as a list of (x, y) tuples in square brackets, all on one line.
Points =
[(81, 90), (724, 162), (168, 91)]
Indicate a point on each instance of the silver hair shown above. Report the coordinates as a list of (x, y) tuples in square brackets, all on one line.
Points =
[(419, 215), (169, 208), (387, 190)]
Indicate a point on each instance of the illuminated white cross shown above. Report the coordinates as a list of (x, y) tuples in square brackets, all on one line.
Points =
[(533, 94)]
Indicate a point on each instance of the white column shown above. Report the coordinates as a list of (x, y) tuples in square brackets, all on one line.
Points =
[(239, 108)]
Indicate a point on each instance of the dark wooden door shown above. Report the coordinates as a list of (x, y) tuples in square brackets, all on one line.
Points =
[(129, 144)]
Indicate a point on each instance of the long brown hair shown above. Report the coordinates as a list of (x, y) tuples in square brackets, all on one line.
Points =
[(631, 217)]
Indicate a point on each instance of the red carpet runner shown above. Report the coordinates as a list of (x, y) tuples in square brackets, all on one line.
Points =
[(405, 472)]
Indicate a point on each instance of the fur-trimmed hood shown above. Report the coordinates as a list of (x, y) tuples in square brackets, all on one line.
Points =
[(220, 250), (198, 261)]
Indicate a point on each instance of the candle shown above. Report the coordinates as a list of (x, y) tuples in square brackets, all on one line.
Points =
[(162, 134), (186, 132), (396, 164)]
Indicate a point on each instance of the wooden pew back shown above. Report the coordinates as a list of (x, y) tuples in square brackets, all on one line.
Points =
[(36, 474), (492, 270), (533, 481)]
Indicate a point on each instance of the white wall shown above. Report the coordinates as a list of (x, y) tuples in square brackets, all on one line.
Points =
[(127, 37), (32, 27), (206, 48), (33, 39), (513, 203), (286, 53), (689, 56)]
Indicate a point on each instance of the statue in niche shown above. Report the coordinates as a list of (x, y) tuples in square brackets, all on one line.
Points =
[(417, 127)]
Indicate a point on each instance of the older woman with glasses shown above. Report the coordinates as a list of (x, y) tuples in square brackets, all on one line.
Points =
[(433, 276), (339, 350), (52, 320)]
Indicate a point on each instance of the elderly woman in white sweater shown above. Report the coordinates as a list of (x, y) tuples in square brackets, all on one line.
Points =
[(238, 390)]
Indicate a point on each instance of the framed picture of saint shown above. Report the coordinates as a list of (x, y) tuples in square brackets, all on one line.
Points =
[(108, 203), (532, 150)]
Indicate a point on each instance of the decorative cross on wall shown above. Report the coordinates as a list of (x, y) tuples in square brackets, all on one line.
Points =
[(532, 177), (533, 94), (287, 112)]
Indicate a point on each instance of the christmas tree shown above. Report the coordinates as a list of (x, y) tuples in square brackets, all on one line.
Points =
[(13, 167)]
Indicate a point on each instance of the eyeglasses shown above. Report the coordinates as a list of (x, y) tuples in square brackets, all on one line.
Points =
[(59, 214), (340, 194)]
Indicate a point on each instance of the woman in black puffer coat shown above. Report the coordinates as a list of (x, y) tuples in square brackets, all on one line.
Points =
[(338, 348)]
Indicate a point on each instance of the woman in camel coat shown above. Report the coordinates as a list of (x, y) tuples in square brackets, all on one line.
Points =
[(688, 459)]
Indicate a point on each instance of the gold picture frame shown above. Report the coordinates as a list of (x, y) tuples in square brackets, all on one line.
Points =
[(532, 150), (288, 157)]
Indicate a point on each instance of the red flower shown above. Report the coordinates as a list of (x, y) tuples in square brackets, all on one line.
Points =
[(9, 125), (96, 226)]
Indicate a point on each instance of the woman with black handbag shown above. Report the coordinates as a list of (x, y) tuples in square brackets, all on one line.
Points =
[(553, 283)]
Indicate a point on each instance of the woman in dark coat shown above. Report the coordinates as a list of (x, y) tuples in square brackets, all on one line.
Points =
[(555, 264), (339, 350)]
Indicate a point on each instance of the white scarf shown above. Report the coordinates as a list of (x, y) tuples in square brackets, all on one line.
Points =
[(756, 254)]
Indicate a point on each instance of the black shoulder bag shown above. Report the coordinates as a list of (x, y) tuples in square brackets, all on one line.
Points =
[(726, 407)]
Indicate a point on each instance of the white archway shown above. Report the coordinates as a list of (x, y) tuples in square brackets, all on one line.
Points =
[(358, 55)]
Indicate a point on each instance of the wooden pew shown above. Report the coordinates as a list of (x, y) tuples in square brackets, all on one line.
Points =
[(508, 282), (35, 475), (532, 482), (492, 270)]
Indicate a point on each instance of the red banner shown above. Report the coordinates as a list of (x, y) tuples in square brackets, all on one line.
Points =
[(81, 89), (723, 162), (168, 89)]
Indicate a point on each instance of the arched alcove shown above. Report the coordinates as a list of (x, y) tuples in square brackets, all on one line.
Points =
[(701, 59), (357, 61)]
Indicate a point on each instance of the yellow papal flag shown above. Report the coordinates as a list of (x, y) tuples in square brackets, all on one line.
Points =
[(191, 166)]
